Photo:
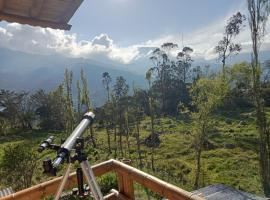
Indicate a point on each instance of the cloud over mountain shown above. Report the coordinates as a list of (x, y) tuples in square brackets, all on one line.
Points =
[(48, 41)]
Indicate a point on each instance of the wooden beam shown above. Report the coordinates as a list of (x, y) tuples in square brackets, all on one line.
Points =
[(162, 188), (125, 185), (69, 12), (34, 22), (36, 8), (2, 5)]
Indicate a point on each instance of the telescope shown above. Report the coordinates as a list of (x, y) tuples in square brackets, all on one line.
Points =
[(68, 145), (63, 151), (73, 142)]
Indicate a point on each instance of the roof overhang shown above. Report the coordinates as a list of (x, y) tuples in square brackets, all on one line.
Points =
[(44, 13)]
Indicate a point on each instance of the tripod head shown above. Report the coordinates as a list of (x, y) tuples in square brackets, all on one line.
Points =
[(63, 150)]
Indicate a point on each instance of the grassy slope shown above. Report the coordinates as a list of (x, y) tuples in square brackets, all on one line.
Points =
[(174, 159)]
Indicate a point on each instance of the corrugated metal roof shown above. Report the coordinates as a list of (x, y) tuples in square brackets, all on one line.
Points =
[(223, 192), (45, 13), (6, 192)]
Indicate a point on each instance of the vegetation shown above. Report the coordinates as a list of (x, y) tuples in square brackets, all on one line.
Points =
[(209, 128)]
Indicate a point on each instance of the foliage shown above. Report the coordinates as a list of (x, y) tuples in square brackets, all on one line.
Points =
[(207, 95), (18, 165), (226, 47), (107, 182)]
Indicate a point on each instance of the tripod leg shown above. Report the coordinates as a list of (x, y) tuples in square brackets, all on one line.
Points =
[(90, 178), (63, 182)]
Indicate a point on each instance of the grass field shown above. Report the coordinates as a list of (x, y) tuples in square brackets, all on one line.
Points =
[(229, 157)]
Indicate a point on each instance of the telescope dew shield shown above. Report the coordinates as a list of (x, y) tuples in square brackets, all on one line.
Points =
[(68, 145)]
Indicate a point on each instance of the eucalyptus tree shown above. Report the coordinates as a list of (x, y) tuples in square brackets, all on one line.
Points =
[(258, 13), (120, 90), (163, 66), (207, 95), (183, 63), (67, 92), (138, 108), (86, 103), (79, 96), (106, 80), (226, 46), (148, 77)]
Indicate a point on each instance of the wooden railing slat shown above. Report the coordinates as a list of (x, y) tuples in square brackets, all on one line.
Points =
[(49, 187), (162, 188), (126, 176)]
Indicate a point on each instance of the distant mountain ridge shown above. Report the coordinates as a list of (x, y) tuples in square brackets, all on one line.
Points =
[(24, 71)]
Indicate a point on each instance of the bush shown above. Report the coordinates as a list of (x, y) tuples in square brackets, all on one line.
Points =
[(107, 182), (17, 166)]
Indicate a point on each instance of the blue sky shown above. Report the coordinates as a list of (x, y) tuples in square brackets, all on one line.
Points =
[(124, 32), (135, 21)]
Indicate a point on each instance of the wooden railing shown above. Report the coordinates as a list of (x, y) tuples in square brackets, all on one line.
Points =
[(126, 176)]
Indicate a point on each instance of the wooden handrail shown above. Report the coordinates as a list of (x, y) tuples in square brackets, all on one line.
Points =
[(162, 188), (50, 187), (126, 176)]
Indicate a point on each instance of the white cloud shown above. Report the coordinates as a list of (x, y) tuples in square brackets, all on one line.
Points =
[(48, 41)]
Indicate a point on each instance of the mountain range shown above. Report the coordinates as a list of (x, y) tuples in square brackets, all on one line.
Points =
[(23, 71), (29, 72)]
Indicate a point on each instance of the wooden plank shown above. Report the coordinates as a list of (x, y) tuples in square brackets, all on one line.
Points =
[(34, 22), (67, 14), (111, 196), (36, 8), (162, 188), (119, 196), (125, 185), (2, 5), (49, 187)]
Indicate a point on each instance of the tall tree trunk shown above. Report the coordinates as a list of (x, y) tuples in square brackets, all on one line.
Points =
[(115, 141), (264, 143), (199, 148), (138, 144), (108, 139), (92, 136)]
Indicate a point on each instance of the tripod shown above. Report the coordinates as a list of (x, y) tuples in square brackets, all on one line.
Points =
[(84, 170)]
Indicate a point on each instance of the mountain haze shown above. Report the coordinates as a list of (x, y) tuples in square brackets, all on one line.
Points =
[(24, 71)]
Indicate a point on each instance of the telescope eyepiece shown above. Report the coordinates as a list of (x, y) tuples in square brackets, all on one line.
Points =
[(45, 144), (48, 167)]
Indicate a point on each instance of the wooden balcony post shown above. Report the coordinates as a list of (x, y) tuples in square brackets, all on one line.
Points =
[(125, 185)]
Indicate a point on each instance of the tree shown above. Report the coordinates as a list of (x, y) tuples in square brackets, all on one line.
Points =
[(86, 103), (207, 95), (17, 166), (148, 77), (50, 109), (79, 101), (67, 92), (137, 113), (226, 47), (106, 80), (120, 90), (258, 11), (239, 79), (184, 63), (18, 110)]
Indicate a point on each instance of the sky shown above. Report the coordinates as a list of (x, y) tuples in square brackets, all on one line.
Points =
[(135, 21), (126, 31)]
